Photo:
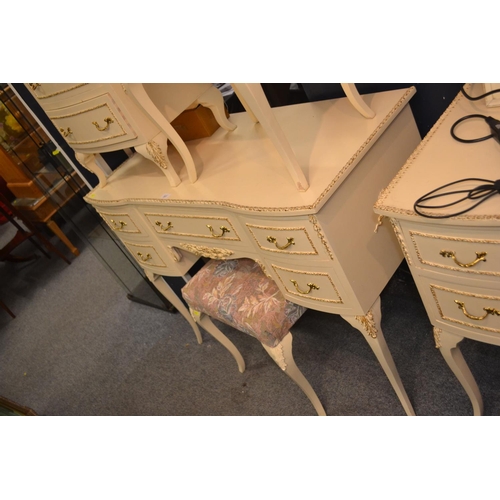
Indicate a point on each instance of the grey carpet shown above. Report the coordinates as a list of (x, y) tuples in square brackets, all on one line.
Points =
[(78, 346)]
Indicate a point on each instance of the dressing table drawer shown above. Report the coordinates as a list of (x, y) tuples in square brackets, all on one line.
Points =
[(318, 286), (146, 255), (96, 121), (193, 226), (296, 237), (120, 222)]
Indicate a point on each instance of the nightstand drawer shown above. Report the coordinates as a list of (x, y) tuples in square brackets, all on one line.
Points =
[(475, 254), (470, 308), (49, 94), (120, 222), (193, 226), (93, 122)]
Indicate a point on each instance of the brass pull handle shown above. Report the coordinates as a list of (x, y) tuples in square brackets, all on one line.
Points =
[(224, 230), (144, 258), (164, 228), (34, 86), (289, 242), (488, 310), (102, 129), (479, 257), (118, 225), (311, 286), (66, 132)]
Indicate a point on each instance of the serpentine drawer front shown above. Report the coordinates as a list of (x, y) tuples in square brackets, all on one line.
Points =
[(466, 306), (51, 93), (475, 251), (193, 226), (120, 222), (91, 122), (287, 237), (146, 255)]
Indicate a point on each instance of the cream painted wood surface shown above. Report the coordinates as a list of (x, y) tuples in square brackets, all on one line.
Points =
[(318, 245), (455, 261)]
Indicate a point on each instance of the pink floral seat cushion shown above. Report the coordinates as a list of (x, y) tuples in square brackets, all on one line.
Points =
[(239, 294)]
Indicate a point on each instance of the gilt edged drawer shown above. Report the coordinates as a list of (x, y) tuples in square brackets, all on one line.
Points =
[(463, 306), (91, 123), (50, 94), (447, 248), (310, 286), (193, 226), (121, 222), (289, 237), (147, 255)]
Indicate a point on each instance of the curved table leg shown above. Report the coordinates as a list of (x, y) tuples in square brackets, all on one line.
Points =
[(448, 346), (172, 297), (369, 326)]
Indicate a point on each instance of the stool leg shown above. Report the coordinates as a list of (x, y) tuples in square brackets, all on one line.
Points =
[(282, 356), (205, 322)]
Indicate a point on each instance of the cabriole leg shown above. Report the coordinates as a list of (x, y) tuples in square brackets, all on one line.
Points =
[(369, 326), (448, 346)]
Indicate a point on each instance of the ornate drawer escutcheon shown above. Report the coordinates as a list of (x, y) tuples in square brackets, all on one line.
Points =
[(488, 310), (107, 121), (162, 227), (117, 225), (480, 256), (66, 132), (289, 242), (311, 286), (144, 258), (223, 230)]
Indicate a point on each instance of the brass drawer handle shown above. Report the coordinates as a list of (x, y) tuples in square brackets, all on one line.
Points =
[(66, 132), (102, 129), (489, 310), (479, 257), (144, 258), (311, 286), (34, 86), (224, 230), (118, 225), (164, 228), (272, 239)]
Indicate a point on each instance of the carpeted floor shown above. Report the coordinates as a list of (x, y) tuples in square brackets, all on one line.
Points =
[(78, 346)]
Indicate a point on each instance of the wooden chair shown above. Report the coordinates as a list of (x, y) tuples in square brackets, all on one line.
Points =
[(239, 294), (28, 232)]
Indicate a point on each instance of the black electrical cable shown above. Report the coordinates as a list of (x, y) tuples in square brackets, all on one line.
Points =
[(482, 193), (477, 139), (479, 97)]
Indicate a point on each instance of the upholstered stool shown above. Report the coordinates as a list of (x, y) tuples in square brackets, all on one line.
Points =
[(239, 294)]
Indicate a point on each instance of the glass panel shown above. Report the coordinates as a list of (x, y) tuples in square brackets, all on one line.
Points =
[(49, 191)]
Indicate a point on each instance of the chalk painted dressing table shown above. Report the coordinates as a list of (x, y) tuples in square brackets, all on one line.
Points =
[(316, 241), (455, 261)]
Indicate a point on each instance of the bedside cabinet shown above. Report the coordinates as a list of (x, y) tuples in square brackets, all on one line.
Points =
[(455, 261)]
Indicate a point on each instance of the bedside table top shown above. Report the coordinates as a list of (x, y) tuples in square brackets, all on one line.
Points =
[(439, 159)]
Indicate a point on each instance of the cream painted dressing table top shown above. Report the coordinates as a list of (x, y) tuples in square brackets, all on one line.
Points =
[(455, 261)]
